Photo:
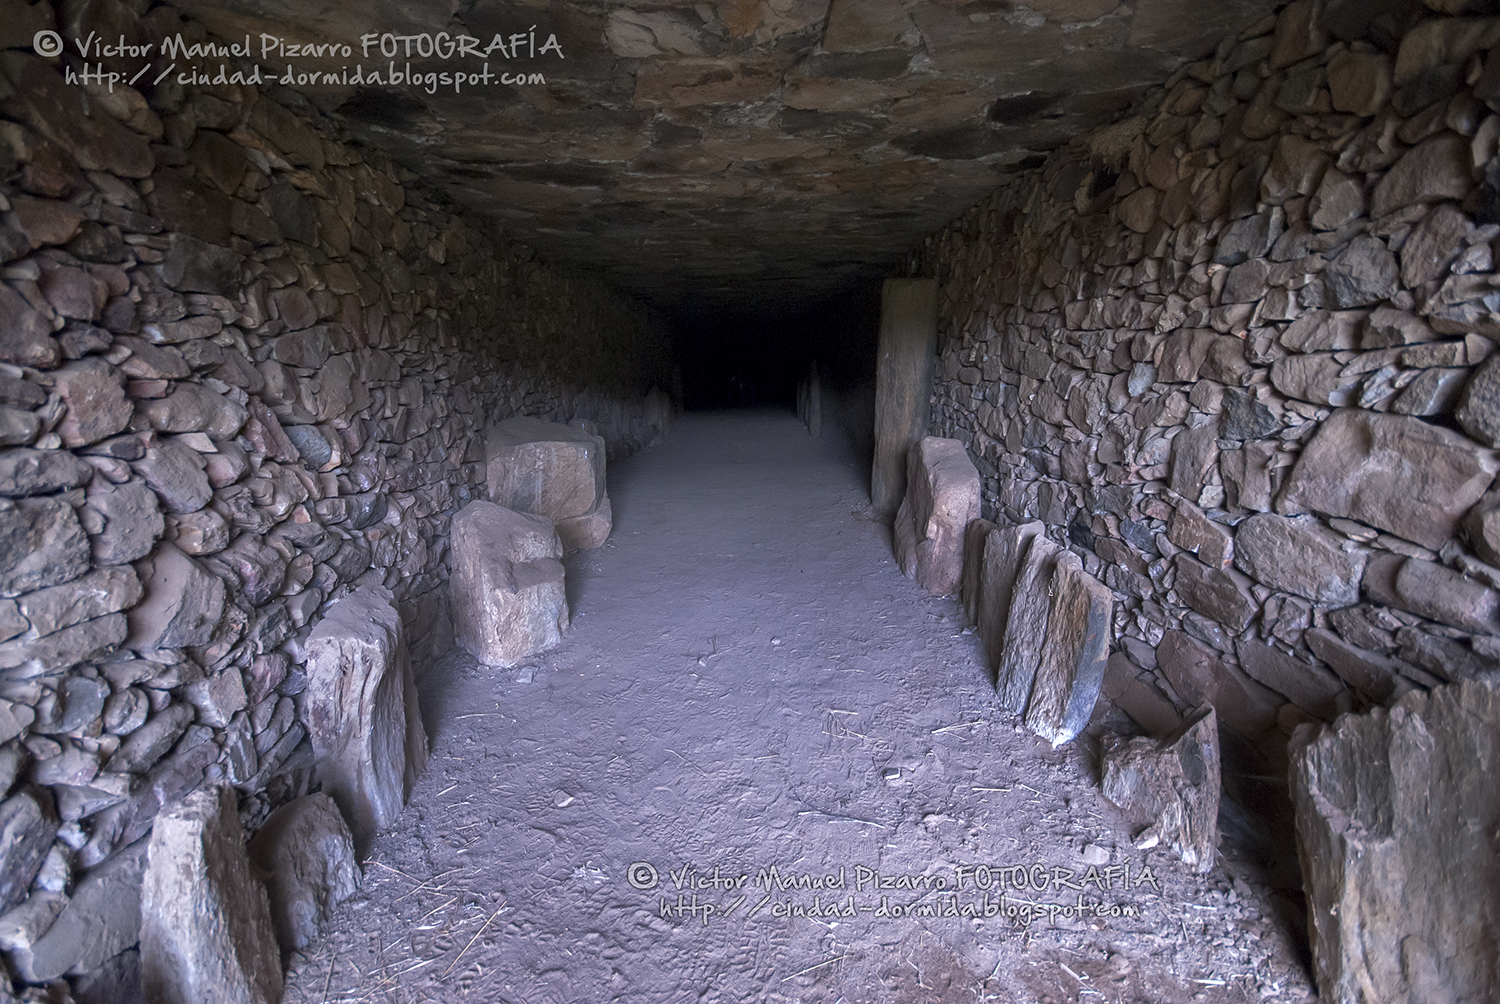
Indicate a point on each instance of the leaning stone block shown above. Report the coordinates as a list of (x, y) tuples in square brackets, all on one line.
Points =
[(205, 926), (360, 710), (1071, 668), (973, 582), (551, 470), (1026, 624), (306, 853), (1004, 551), (1396, 819), (942, 497), (507, 584), (1174, 784)]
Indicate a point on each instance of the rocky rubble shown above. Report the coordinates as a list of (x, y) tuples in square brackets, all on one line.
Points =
[(243, 369), (1235, 356), (1234, 353)]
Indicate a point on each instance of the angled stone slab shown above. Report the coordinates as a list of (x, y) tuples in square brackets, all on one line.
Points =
[(973, 581), (360, 711), (1026, 625), (1004, 551), (1071, 668)]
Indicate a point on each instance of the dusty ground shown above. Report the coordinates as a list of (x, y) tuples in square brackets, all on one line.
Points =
[(750, 684)]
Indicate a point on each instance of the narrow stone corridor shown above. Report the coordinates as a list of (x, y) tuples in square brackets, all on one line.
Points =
[(749, 684)]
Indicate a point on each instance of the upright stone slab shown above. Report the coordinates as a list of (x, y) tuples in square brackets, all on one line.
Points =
[(973, 583), (1026, 624), (306, 853), (1397, 813), (906, 355), (942, 498), (1071, 669), (506, 587), (205, 926), (551, 470), (360, 710), (1004, 550), (1174, 783)]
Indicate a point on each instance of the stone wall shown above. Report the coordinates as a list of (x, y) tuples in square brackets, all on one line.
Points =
[(1237, 352), (242, 369)]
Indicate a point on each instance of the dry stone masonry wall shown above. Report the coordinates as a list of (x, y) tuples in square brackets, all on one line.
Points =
[(1237, 352), (244, 370)]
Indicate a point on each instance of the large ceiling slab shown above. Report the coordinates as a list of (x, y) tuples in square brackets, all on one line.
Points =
[(734, 153)]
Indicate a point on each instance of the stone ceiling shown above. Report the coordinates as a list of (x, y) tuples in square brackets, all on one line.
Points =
[(737, 154)]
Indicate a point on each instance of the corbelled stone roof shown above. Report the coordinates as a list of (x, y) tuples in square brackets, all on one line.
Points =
[(735, 152)]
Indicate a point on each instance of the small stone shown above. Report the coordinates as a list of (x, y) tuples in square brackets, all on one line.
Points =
[(1437, 169), (1339, 199), (307, 855), (102, 919), (218, 697), (1221, 594), (1309, 687), (175, 472), (195, 408), (1433, 392), (1192, 531), (103, 591), (1299, 556), (151, 741), (1400, 474), (27, 830), (1200, 677), (1374, 675), (95, 399), (1432, 245), (26, 472), (1365, 272), (308, 349), (131, 523), (1359, 82), (41, 544), (1441, 594), (1479, 407), (205, 923), (182, 605), (201, 532)]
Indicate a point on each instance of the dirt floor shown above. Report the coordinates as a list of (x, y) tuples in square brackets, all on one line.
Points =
[(764, 766)]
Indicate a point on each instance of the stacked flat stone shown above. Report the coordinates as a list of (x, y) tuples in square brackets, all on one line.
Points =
[(242, 370)]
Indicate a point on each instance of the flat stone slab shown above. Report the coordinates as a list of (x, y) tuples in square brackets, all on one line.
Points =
[(942, 498)]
